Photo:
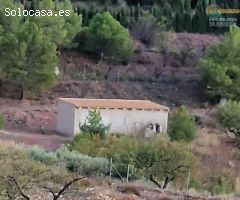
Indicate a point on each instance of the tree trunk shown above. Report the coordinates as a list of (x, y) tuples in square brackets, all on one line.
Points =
[(108, 72), (155, 181), (21, 92), (1, 88)]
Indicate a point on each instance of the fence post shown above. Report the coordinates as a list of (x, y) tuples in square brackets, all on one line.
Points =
[(110, 173), (128, 173), (188, 180)]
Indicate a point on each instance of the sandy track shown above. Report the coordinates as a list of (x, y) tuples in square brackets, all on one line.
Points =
[(49, 142)]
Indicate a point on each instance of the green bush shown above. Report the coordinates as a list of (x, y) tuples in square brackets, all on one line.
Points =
[(39, 154), (221, 184), (81, 163), (107, 38), (182, 126), (121, 149), (228, 116), (2, 121), (88, 145), (94, 125), (196, 184)]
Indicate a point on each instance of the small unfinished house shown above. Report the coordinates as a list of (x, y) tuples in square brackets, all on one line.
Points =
[(125, 116)]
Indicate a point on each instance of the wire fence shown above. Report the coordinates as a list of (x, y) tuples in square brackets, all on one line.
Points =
[(113, 168), (129, 173)]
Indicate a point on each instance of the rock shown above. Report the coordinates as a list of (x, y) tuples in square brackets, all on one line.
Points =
[(231, 163)]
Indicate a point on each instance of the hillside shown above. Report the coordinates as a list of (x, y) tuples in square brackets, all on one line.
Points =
[(154, 50), (174, 85)]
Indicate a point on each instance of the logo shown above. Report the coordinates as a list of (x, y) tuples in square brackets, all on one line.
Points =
[(213, 11)]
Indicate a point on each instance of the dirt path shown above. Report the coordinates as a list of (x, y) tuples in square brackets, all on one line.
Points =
[(49, 142)]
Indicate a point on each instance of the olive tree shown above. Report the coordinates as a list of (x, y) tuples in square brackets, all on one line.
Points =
[(164, 162), (228, 116)]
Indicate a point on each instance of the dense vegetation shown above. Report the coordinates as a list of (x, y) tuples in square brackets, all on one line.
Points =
[(182, 126), (157, 159), (221, 67), (29, 45), (183, 15), (35, 41)]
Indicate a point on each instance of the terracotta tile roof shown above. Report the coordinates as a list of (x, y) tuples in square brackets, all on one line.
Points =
[(114, 103)]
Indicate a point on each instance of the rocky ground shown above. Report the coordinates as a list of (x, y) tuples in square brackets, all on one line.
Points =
[(126, 192)]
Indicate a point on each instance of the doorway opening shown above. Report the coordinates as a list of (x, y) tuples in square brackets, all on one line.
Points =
[(158, 128)]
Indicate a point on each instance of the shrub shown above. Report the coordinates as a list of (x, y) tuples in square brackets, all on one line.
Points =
[(121, 149), (94, 125), (140, 78), (2, 121), (196, 184), (107, 38), (228, 116), (221, 184), (39, 154), (147, 27), (182, 126), (165, 43), (81, 163), (71, 160)]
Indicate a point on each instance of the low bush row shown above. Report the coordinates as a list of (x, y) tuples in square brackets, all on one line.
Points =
[(71, 160)]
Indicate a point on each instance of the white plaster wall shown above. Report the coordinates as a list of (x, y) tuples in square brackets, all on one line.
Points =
[(125, 121), (65, 119)]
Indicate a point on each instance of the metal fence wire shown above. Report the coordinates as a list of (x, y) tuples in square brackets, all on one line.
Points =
[(113, 168)]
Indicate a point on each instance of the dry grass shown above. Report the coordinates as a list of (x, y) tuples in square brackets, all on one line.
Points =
[(205, 142), (117, 196), (130, 189)]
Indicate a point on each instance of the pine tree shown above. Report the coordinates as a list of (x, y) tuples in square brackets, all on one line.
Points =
[(60, 29), (222, 67), (94, 125), (107, 38), (35, 60), (27, 56), (73, 23), (178, 21), (53, 26)]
